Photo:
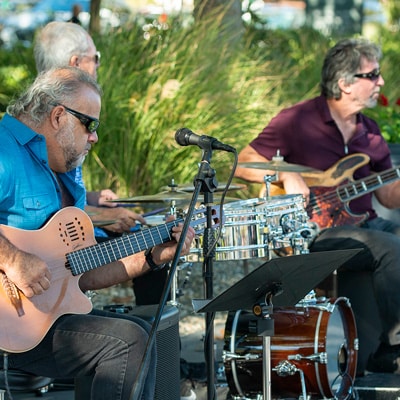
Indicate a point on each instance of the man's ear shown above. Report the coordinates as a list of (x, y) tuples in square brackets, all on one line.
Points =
[(344, 87), (55, 117), (74, 61)]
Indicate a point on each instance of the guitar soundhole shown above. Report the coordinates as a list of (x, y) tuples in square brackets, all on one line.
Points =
[(71, 231)]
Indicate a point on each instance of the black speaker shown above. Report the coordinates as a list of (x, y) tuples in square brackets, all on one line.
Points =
[(168, 351)]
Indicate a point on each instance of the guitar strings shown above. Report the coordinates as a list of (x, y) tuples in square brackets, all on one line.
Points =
[(354, 188)]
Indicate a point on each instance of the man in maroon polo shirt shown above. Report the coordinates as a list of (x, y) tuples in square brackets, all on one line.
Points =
[(319, 133)]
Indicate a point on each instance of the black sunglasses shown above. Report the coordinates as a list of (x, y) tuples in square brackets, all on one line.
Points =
[(372, 76), (97, 57), (90, 123)]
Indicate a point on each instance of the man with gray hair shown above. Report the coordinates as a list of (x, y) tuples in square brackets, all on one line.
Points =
[(62, 44), (48, 253)]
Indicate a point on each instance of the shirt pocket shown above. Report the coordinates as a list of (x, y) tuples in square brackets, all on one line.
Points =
[(38, 209)]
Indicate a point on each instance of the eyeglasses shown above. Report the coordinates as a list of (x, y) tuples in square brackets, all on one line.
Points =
[(90, 123), (372, 76), (97, 57)]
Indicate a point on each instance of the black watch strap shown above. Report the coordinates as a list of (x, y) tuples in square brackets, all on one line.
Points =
[(149, 259)]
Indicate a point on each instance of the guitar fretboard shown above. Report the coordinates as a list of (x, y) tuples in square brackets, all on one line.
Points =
[(355, 189), (103, 253)]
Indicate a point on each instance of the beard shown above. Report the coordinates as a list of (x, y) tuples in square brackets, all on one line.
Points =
[(371, 102), (66, 140)]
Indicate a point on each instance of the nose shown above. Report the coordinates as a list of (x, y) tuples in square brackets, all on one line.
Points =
[(93, 137)]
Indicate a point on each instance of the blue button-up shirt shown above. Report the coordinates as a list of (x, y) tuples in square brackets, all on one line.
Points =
[(29, 191)]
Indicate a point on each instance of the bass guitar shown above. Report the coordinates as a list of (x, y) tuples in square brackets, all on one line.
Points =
[(68, 246), (333, 190)]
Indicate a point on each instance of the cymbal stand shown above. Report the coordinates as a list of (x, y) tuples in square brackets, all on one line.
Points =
[(268, 179), (272, 178)]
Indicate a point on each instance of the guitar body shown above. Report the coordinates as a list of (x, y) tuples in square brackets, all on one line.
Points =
[(25, 321), (326, 207), (330, 211)]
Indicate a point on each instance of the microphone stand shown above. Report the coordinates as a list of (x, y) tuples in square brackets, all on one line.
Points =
[(205, 180)]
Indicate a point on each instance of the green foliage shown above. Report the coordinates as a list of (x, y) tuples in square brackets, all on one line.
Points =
[(190, 77), (16, 70), (387, 113)]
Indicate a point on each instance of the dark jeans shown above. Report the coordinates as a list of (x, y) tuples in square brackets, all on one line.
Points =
[(106, 345), (380, 241)]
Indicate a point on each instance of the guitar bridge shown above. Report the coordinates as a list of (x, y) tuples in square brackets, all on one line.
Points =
[(13, 294)]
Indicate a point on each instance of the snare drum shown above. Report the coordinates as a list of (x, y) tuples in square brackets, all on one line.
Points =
[(313, 352), (256, 227)]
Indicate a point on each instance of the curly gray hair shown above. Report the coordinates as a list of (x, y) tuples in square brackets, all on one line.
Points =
[(343, 61), (57, 85)]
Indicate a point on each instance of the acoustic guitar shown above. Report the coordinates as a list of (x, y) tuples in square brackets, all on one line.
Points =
[(333, 189), (68, 246)]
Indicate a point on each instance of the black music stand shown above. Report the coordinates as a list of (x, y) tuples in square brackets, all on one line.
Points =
[(287, 280)]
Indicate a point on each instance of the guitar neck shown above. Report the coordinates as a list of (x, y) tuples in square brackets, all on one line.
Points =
[(95, 256), (360, 187)]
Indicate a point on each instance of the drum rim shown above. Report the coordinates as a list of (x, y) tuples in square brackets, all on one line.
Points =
[(259, 201)]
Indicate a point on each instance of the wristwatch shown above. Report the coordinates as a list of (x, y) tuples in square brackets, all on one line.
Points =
[(149, 259)]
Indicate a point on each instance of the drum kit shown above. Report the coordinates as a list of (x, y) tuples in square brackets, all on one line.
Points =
[(313, 350)]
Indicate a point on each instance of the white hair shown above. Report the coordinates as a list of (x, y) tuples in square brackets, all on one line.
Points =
[(57, 42)]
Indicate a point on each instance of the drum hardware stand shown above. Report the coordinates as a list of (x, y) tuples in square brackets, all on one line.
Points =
[(268, 179), (264, 326), (177, 292)]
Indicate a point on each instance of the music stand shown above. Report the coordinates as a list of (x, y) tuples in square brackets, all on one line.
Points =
[(287, 278)]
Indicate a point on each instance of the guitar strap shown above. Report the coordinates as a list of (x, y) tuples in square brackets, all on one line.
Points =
[(66, 197)]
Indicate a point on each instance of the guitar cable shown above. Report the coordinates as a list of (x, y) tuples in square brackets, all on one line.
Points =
[(5, 371)]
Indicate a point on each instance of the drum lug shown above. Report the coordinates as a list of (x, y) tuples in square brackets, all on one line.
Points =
[(322, 358), (285, 368), (228, 356)]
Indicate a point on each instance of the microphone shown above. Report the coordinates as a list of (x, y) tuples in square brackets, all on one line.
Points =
[(185, 137)]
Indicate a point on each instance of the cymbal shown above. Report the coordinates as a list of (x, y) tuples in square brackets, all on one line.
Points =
[(167, 196), (277, 166), (220, 188)]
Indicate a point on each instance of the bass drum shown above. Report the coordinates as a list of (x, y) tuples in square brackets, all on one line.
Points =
[(313, 352)]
